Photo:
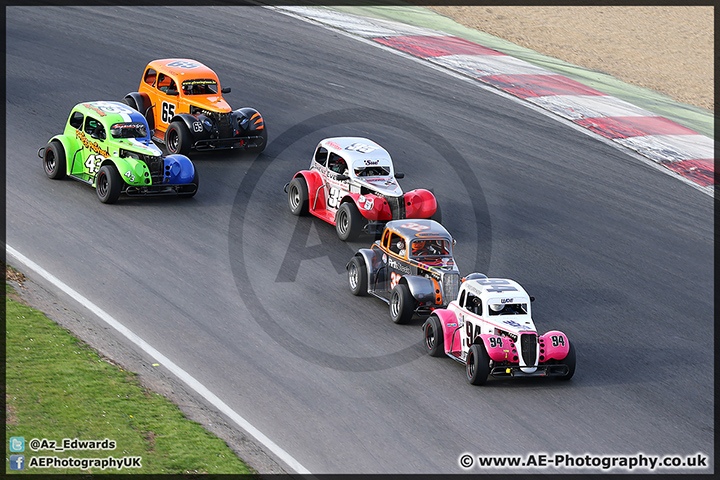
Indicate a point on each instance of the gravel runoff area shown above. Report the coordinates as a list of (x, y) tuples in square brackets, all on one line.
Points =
[(666, 49)]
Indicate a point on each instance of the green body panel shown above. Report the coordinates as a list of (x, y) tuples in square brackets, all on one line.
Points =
[(86, 153)]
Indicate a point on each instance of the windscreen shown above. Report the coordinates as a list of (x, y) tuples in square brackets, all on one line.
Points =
[(129, 130), (200, 87)]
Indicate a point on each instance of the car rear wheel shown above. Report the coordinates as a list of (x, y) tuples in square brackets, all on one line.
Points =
[(357, 276), (434, 338), (570, 362), (178, 138), (108, 184), (478, 364), (402, 304), (54, 161), (348, 222), (130, 102), (298, 196)]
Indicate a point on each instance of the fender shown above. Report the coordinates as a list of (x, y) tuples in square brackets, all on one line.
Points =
[(178, 170), (189, 120), (451, 329), (421, 288), (369, 257), (142, 100), (420, 203), (249, 119), (132, 171), (553, 345), (69, 144), (373, 264), (500, 349), (314, 184), (373, 207)]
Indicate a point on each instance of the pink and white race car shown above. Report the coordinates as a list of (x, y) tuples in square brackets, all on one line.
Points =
[(489, 329), (352, 184)]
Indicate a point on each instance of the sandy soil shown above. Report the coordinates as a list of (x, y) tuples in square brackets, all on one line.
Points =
[(666, 49)]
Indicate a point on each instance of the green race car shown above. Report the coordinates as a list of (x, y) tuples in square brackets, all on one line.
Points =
[(107, 145)]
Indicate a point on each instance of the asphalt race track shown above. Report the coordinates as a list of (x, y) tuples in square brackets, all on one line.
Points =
[(254, 302)]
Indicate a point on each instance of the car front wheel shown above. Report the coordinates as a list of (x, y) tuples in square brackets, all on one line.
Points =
[(178, 138), (478, 364), (402, 304), (570, 362), (108, 184), (348, 222)]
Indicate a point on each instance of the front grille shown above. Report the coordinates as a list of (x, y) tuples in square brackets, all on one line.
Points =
[(451, 285), (224, 124), (397, 207), (528, 345)]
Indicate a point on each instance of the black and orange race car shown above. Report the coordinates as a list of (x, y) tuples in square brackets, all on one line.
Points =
[(183, 104)]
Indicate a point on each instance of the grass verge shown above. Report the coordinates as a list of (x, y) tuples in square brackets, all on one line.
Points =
[(58, 387)]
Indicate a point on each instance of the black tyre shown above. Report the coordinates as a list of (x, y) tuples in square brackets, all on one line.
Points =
[(298, 196), (130, 102), (54, 161), (196, 181), (434, 338), (437, 216), (263, 143), (178, 138), (570, 362), (477, 368), (402, 304), (348, 222), (108, 184), (357, 276)]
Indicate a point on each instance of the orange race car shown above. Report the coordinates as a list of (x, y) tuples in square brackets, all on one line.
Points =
[(183, 103)]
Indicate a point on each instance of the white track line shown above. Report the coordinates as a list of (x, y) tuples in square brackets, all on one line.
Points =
[(163, 360)]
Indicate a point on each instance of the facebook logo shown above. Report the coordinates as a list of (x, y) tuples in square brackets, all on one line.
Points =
[(17, 462), (17, 444)]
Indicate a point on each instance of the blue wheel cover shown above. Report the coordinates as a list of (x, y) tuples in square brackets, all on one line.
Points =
[(178, 169)]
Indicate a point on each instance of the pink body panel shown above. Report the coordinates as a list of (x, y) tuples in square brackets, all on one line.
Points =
[(450, 329), (553, 345), (500, 349)]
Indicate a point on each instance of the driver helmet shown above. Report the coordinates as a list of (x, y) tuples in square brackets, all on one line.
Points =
[(496, 307)]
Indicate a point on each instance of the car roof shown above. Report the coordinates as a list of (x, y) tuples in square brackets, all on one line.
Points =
[(358, 152), (418, 228), (110, 112), (183, 68), (486, 287)]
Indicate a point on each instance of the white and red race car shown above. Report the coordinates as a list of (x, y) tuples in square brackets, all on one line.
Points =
[(489, 329), (352, 184)]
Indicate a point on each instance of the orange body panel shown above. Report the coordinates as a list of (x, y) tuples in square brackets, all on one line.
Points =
[(161, 74)]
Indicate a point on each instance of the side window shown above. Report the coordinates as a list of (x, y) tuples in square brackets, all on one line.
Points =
[(386, 239), (461, 302), (165, 83), (397, 244), (94, 128), (76, 120), (150, 77), (474, 304), (337, 164), (321, 155)]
